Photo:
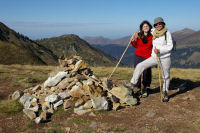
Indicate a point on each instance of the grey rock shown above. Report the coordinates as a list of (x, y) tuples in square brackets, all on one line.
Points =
[(38, 120), (81, 111), (52, 98), (100, 103), (27, 104), (35, 108), (124, 94), (130, 100), (64, 95), (53, 81), (17, 94), (25, 98), (64, 83), (58, 104), (76, 91), (31, 114), (88, 104)]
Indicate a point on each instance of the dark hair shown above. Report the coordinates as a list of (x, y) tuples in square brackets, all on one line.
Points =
[(141, 33)]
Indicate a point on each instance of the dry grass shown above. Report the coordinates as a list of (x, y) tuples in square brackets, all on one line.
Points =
[(24, 75), (177, 75), (10, 106), (27, 76)]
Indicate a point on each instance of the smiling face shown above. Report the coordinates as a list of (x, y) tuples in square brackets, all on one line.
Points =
[(145, 28), (159, 26)]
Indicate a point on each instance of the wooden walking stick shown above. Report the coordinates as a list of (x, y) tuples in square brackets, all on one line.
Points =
[(119, 60), (159, 76)]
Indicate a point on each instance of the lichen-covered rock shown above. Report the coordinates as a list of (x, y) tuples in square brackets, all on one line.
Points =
[(100, 103), (53, 81), (124, 94), (79, 65), (58, 104), (64, 83), (38, 120), (51, 98), (88, 105), (31, 114), (76, 91), (17, 94), (81, 111), (64, 95), (25, 98), (68, 104)]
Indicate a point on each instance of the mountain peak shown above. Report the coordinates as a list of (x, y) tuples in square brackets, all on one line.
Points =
[(69, 35), (187, 30)]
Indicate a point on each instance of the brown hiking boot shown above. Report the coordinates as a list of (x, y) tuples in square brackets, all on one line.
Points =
[(144, 93), (165, 97)]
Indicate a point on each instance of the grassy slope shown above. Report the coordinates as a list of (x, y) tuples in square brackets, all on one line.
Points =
[(11, 54), (72, 44), (22, 49)]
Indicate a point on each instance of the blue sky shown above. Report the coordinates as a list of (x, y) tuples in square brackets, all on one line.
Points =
[(109, 18)]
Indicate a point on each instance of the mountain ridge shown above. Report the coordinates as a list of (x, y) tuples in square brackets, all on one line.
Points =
[(187, 44), (73, 45), (18, 44)]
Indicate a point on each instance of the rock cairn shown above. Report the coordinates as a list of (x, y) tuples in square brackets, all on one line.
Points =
[(75, 86)]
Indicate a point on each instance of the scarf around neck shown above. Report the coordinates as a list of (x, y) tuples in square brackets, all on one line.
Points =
[(158, 33)]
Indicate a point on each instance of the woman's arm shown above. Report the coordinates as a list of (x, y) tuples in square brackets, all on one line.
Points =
[(134, 39)]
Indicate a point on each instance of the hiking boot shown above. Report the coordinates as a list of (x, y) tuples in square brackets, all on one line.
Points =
[(144, 92), (165, 97)]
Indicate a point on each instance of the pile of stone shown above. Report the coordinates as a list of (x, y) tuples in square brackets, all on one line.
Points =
[(74, 85)]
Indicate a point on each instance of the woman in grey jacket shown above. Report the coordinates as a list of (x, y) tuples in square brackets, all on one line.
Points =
[(162, 46)]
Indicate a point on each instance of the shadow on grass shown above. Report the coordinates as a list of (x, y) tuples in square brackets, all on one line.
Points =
[(181, 85)]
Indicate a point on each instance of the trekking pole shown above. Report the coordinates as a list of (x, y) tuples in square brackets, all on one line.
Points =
[(119, 60), (159, 76)]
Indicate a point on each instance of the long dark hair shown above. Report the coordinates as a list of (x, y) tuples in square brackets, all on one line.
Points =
[(141, 33)]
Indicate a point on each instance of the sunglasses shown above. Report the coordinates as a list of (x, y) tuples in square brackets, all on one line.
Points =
[(160, 23)]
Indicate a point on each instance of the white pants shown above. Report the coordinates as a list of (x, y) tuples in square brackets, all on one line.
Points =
[(164, 64)]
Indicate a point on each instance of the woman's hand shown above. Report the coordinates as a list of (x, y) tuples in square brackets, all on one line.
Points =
[(134, 37), (157, 51)]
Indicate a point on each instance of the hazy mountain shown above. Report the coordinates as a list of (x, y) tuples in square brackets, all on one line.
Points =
[(187, 43), (71, 44), (16, 48), (190, 40), (182, 33), (99, 40)]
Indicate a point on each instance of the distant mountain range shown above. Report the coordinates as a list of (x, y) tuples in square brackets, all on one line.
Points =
[(187, 43), (16, 48)]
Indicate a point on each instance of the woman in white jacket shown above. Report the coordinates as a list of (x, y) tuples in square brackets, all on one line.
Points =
[(162, 46)]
